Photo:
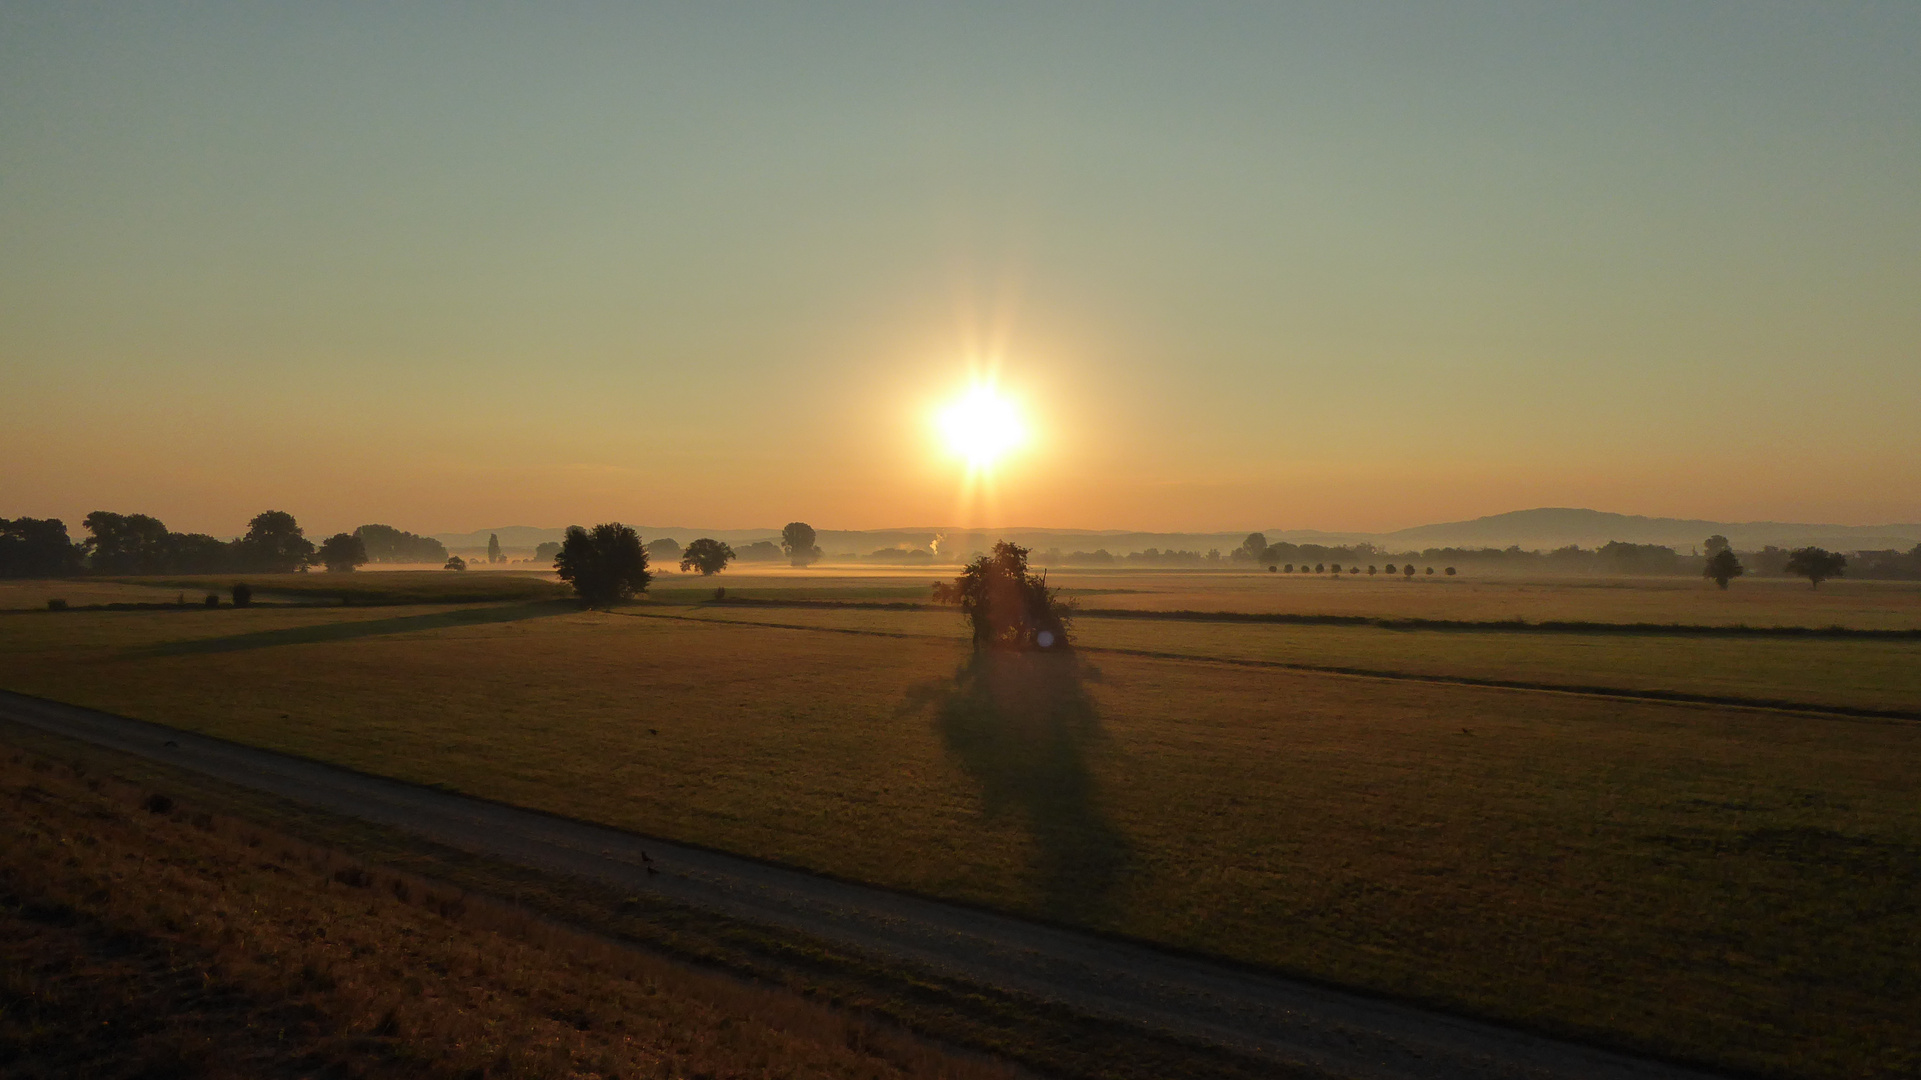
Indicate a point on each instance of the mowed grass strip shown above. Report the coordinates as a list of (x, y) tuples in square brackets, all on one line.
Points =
[(1812, 671), (1720, 885), (369, 587), (1481, 597), (144, 936)]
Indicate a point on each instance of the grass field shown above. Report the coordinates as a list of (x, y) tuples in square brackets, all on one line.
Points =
[(384, 587), (1868, 674), (1686, 600), (154, 939), (1722, 885)]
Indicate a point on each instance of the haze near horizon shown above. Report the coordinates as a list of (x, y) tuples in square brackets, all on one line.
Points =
[(1343, 267)]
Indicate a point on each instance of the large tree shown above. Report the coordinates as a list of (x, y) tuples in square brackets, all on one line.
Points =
[(37, 548), (797, 541), (1816, 564), (1723, 566), (275, 544), (1254, 547), (706, 555), (493, 549), (341, 552), (1009, 606), (386, 544), (606, 563), (125, 543)]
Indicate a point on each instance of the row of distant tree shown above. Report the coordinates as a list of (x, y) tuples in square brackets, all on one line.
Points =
[(139, 544), (1615, 557), (275, 543)]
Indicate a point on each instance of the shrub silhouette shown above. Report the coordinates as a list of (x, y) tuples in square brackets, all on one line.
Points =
[(242, 595), (1009, 606), (455, 562), (213, 600)]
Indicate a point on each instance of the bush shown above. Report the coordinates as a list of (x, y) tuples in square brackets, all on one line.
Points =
[(1009, 607), (56, 605), (1450, 571), (242, 595), (213, 600)]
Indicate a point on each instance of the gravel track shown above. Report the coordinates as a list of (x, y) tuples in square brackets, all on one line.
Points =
[(1273, 1019)]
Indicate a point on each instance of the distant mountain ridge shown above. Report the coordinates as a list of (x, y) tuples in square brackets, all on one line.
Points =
[(1552, 527), (1544, 528)]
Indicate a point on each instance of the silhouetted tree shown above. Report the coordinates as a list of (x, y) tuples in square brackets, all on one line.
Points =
[(1450, 571), (125, 543), (274, 544), (1253, 547), (1390, 568), (546, 551), (386, 544), (1009, 607), (242, 595), (1335, 568), (1716, 544), (1407, 570), (664, 550), (707, 555), (455, 562), (797, 541), (341, 552), (1288, 569), (759, 551), (493, 549), (1320, 568), (1723, 566), (37, 547), (1816, 564), (605, 563)]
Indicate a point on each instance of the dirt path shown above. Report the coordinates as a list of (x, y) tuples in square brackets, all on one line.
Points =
[(1270, 1018)]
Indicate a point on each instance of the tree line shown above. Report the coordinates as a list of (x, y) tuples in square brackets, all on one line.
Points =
[(131, 544)]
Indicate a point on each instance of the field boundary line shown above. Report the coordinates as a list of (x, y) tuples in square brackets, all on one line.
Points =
[(1378, 622), (1667, 697)]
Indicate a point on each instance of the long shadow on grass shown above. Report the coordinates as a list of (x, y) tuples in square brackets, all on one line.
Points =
[(1022, 726), (349, 631)]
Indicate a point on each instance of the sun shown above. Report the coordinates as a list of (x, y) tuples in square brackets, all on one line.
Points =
[(982, 427)]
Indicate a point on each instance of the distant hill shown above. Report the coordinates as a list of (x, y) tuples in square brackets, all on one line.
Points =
[(1546, 528), (1554, 527)]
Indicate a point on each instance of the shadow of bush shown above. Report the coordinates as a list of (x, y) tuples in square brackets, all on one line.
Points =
[(1022, 725)]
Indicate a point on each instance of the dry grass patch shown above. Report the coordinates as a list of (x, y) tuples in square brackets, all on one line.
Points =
[(148, 938)]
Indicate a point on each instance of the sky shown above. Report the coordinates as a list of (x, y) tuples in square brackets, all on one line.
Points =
[(1344, 266)]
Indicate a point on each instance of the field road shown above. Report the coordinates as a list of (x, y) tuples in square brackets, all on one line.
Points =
[(1265, 1017)]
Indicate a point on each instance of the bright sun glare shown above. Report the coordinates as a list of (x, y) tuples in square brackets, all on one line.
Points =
[(982, 427)]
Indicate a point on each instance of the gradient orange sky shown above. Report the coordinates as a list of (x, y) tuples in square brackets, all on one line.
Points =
[(1344, 266)]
